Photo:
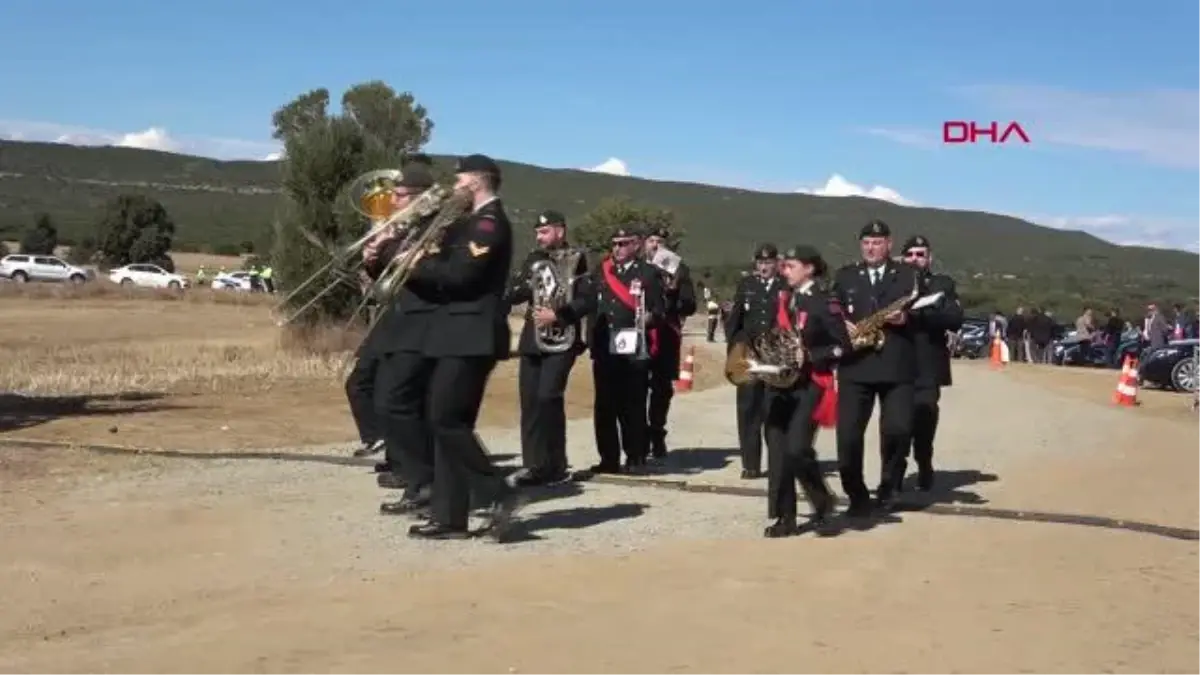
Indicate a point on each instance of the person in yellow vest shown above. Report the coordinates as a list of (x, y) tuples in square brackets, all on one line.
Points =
[(255, 280), (201, 276), (268, 284)]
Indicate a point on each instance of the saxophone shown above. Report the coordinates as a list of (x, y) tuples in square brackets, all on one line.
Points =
[(869, 332), (551, 282)]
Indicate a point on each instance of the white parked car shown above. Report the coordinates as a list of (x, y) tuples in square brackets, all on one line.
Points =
[(21, 268), (147, 276), (232, 281)]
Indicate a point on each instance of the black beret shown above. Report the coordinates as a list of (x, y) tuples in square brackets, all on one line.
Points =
[(766, 252), (660, 232), (625, 232), (477, 164), (919, 241), (875, 228), (550, 217), (807, 254), (416, 176)]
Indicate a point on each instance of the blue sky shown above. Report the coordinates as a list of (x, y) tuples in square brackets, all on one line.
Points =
[(829, 97)]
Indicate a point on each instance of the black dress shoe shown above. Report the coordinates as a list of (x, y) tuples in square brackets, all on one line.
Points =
[(603, 467), (407, 506), (782, 527), (658, 449), (822, 517), (885, 502), (369, 449), (925, 480), (751, 474), (859, 508), (383, 467), (390, 481), (504, 515), (437, 532)]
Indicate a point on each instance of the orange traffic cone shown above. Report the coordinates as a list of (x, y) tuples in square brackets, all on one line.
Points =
[(686, 372), (1127, 384), (997, 355)]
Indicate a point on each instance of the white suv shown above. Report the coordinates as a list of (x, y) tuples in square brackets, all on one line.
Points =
[(146, 276), (21, 268)]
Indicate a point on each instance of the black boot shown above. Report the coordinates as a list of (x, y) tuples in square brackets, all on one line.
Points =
[(782, 527)]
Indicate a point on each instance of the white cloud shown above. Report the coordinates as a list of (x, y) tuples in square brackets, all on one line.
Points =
[(612, 165), (153, 138), (273, 157), (837, 186), (1160, 125), (1129, 230)]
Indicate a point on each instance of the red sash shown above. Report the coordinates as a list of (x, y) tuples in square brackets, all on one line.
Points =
[(622, 294), (825, 414)]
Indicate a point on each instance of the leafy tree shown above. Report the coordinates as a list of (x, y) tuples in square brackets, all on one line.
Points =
[(323, 152), (135, 229), (82, 252), (595, 229), (42, 238)]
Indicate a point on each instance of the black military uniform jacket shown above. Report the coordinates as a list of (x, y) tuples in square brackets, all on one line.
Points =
[(519, 292), (933, 354), (453, 304), (823, 330), (896, 363), (753, 311), (388, 334), (608, 312)]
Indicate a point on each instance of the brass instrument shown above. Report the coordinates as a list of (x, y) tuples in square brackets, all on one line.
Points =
[(371, 196), (639, 322), (869, 332), (781, 350), (551, 282)]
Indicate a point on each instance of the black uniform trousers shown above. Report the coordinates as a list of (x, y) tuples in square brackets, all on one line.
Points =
[(856, 402), (360, 392), (926, 411), (620, 409), (751, 412), (664, 370), (791, 458), (452, 390), (542, 382), (713, 320), (401, 388)]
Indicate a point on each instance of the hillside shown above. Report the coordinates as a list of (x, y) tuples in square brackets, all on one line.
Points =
[(218, 205)]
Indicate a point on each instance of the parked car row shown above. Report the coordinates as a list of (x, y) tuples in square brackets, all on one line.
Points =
[(1172, 366), (21, 268)]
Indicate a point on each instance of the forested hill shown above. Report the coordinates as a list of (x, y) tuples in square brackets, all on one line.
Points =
[(218, 205)]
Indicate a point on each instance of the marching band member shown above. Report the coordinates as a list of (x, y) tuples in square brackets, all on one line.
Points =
[(864, 289), (625, 312), (752, 313), (680, 303), (794, 415), (933, 357), (542, 377)]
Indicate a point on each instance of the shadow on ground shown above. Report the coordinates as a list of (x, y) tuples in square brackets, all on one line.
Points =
[(22, 412)]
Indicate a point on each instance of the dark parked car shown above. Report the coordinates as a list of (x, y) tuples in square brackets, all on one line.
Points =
[(971, 342), (1170, 367)]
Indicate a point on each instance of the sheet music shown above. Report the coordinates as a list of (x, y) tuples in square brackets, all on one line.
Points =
[(666, 260)]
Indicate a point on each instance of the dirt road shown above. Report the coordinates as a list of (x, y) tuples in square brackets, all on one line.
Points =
[(147, 563)]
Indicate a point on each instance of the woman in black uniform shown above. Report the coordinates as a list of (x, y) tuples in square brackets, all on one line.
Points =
[(795, 414)]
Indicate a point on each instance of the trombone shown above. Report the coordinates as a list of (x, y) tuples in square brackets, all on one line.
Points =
[(372, 198)]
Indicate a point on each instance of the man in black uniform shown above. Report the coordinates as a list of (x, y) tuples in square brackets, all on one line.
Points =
[(794, 414), (679, 303), (931, 325), (542, 376), (713, 310), (363, 380), (863, 289), (455, 330), (752, 313), (621, 353)]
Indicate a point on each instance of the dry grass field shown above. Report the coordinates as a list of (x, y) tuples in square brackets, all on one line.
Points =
[(202, 369)]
